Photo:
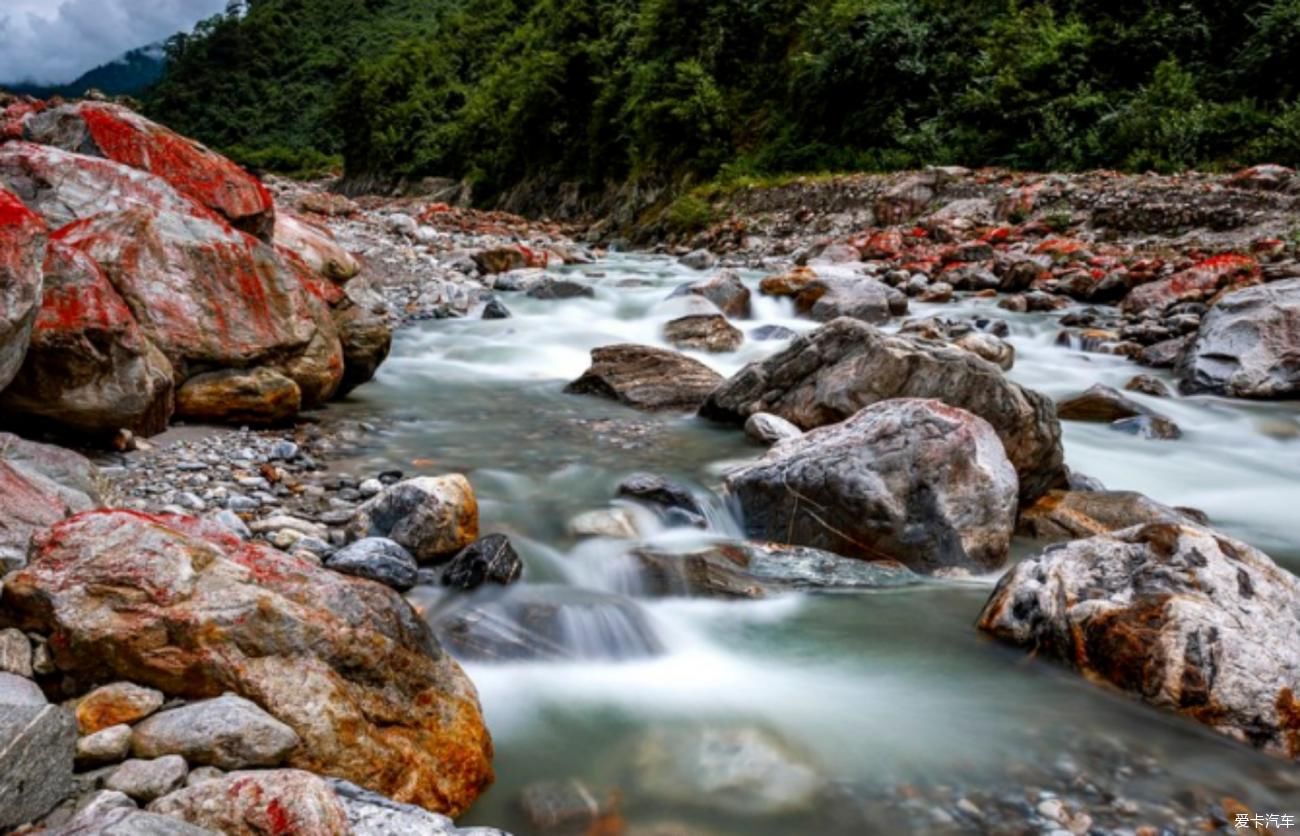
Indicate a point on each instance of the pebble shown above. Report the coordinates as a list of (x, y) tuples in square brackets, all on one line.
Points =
[(146, 780), (15, 652)]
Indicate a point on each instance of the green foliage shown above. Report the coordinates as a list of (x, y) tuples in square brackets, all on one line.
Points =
[(541, 92), (689, 213)]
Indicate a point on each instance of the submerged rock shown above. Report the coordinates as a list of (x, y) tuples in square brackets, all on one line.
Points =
[(1099, 403), (1248, 345), (830, 374), (910, 480), (1178, 615), (647, 378), (551, 288)]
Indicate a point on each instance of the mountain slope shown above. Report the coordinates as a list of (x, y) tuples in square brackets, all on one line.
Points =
[(129, 75)]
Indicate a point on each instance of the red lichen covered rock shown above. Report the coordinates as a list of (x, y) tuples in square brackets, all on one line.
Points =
[(64, 187), (206, 295), (272, 802), (40, 485), (120, 134), (14, 116), (22, 249), (316, 247), (184, 606), (1195, 284), (89, 369)]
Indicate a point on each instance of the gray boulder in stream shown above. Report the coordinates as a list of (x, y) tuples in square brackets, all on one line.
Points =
[(828, 375), (1248, 345), (646, 378), (911, 480), (1178, 615), (724, 290)]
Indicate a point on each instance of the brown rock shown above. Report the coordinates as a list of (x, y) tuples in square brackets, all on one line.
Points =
[(1099, 403), (121, 702), (234, 396), (724, 290), (1074, 515), (706, 332), (646, 378)]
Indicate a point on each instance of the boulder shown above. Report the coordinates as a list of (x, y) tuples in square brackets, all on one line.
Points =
[(551, 288), (378, 559), (274, 801), (1100, 404), (827, 375), (227, 732), (868, 300), (114, 132), (259, 396), (910, 480), (725, 290), (1248, 345), (41, 485), (119, 702), (22, 252), (89, 369), (1151, 427), (1073, 515), (766, 428), (371, 814), (1178, 615), (361, 319), (316, 247), (1194, 284), (431, 517), (699, 260), (343, 662), (646, 378), (145, 780), (707, 332), (490, 560), (37, 745)]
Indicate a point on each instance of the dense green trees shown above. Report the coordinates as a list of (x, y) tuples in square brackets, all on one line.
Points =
[(598, 91)]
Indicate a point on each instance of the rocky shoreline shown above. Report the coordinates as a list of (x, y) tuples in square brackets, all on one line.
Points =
[(204, 629)]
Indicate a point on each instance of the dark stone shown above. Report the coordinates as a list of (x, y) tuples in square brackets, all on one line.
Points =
[(1099, 403), (37, 747), (772, 332), (492, 559), (494, 309), (1148, 385), (561, 289), (1153, 427), (378, 559), (658, 490)]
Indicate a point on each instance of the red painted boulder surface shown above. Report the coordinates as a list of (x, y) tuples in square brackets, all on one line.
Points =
[(22, 249), (316, 247), (89, 368), (119, 134), (1194, 284), (181, 605)]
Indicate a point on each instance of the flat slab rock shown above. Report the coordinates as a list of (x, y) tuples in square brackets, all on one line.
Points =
[(1180, 616), (37, 746), (1248, 345), (646, 378)]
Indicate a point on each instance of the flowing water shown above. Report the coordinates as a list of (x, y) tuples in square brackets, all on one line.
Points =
[(868, 691)]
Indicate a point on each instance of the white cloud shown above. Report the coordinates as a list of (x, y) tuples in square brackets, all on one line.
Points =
[(54, 42)]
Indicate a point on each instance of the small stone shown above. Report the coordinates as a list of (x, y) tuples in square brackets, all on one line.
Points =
[(1153, 427), (229, 732), (377, 559), (203, 773), (285, 451), (492, 559), (495, 309), (1148, 385), (561, 289), (370, 487), (145, 780), (120, 702), (617, 523), (766, 428), (108, 745), (15, 653), (42, 659)]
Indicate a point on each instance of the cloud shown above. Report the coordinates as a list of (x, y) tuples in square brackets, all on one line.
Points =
[(53, 43)]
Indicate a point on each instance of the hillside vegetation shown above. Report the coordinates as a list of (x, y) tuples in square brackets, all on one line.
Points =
[(505, 92)]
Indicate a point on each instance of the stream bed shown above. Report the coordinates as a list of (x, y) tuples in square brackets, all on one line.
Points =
[(846, 713)]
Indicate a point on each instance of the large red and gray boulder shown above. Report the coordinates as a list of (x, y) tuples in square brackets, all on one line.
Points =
[(89, 367), (22, 251), (41, 485), (828, 375), (910, 480), (184, 606), (64, 187), (1178, 615), (210, 297), (117, 133), (361, 318), (316, 247), (1193, 284), (1248, 345)]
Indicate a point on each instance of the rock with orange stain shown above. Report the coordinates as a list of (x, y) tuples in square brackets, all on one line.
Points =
[(22, 250), (431, 517), (111, 705), (1176, 614), (279, 802), (117, 133), (40, 486), (788, 284), (184, 606), (89, 369), (261, 397)]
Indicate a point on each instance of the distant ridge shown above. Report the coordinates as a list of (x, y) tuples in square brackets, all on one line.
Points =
[(129, 74)]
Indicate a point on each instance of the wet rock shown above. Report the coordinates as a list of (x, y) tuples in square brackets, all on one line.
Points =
[(490, 560), (377, 559), (566, 807), (41, 484), (109, 745), (371, 814), (495, 309), (988, 347), (742, 771), (89, 368), (15, 653), (772, 332), (1246, 346), (1153, 427), (544, 622), (145, 780), (22, 251), (646, 378), (260, 397), (617, 523), (111, 705), (757, 570), (431, 517), (653, 489), (1180, 616), (551, 288), (830, 374), (1099, 403), (315, 246), (227, 732), (260, 802), (1147, 385), (708, 332), (1073, 515), (122, 135), (343, 662), (766, 428), (1164, 354), (361, 319), (699, 260), (37, 743), (910, 480), (725, 290), (828, 297)]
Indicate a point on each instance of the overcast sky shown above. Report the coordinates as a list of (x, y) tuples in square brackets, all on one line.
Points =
[(54, 41)]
